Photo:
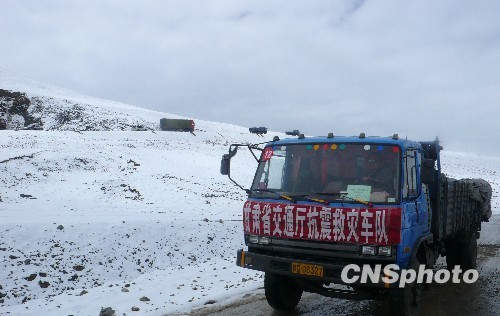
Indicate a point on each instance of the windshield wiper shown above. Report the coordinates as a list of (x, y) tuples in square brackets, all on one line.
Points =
[(329, 194), (293, 198), (345, 196), (282, 196), (307, 197), (370, 204)]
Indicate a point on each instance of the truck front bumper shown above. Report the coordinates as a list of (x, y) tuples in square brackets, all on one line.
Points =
[(283, 266)]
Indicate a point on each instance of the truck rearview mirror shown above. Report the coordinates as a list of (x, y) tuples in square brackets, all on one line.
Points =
[(224, 164), (427, 171)]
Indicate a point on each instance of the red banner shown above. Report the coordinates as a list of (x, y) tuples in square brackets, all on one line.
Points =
[(374, 225)]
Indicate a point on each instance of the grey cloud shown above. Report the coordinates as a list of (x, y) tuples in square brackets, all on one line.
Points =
[(421, 68)]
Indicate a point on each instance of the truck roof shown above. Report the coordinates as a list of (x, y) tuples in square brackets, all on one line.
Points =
[(403, 143)]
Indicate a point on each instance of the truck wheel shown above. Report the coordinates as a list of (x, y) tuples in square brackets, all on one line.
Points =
[(282, 293), (469, 252), (406, 301), (453, 254)]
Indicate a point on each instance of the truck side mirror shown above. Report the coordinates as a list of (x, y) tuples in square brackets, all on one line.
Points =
[(427, 171), (225, 164), (226, 161)]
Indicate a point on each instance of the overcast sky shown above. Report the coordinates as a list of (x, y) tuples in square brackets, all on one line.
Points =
[(418, 68)]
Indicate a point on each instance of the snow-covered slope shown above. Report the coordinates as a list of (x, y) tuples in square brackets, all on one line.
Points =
[(138, 208), (119, 214), (61, 109), (124, 219)]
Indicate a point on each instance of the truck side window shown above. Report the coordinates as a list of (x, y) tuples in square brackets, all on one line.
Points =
[(410, 188), (276, 172)]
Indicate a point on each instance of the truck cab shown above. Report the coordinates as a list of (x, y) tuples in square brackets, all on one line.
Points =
[(319, 204)]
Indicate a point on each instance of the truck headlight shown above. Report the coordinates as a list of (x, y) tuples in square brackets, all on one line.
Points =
[(385, 251), (262, 240), (369, 250), (253, 239)]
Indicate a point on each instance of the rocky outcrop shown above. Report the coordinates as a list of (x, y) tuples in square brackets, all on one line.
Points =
[(17, 105)]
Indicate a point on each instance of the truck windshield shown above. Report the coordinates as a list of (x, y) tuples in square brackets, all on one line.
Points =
[(336, 172)]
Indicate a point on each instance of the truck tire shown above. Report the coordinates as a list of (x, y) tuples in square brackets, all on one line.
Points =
[(469, 252), (282, 293), (453, 254), (406, 301)]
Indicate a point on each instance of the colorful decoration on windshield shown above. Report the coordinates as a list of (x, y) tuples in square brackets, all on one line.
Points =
[(367, 147), (380, 147), (395, 149), (342, 147), (309, 147), (334, 147), (316, 147)]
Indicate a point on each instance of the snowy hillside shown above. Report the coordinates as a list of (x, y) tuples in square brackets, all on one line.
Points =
[(124, 219), (53, 108), (131, 205)]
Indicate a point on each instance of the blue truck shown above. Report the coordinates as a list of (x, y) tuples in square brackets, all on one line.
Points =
[(320, 204), (295, 132), (258, 130)]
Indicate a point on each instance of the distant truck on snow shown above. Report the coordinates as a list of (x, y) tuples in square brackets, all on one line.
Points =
[(177, 125), (258, 130), (318, 206), (295, 132)]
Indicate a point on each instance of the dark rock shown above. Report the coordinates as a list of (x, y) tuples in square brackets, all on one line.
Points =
[(42, 274), (210, 302), (60, 227), (43, 284), (83, 292), (135, 309), (18, 103), (144, 299), (31, 277), (27, 262), (13, 257), (108, 311), (78, 267), (25, 195)]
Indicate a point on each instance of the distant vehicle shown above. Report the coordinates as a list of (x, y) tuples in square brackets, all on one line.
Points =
[(258, 130), (295, 132), (3, 123), (177, 125)]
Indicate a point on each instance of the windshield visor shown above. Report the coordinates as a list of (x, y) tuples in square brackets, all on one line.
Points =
[(334, 172)]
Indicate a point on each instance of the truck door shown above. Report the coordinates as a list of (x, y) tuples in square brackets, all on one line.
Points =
[(414, 195)]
